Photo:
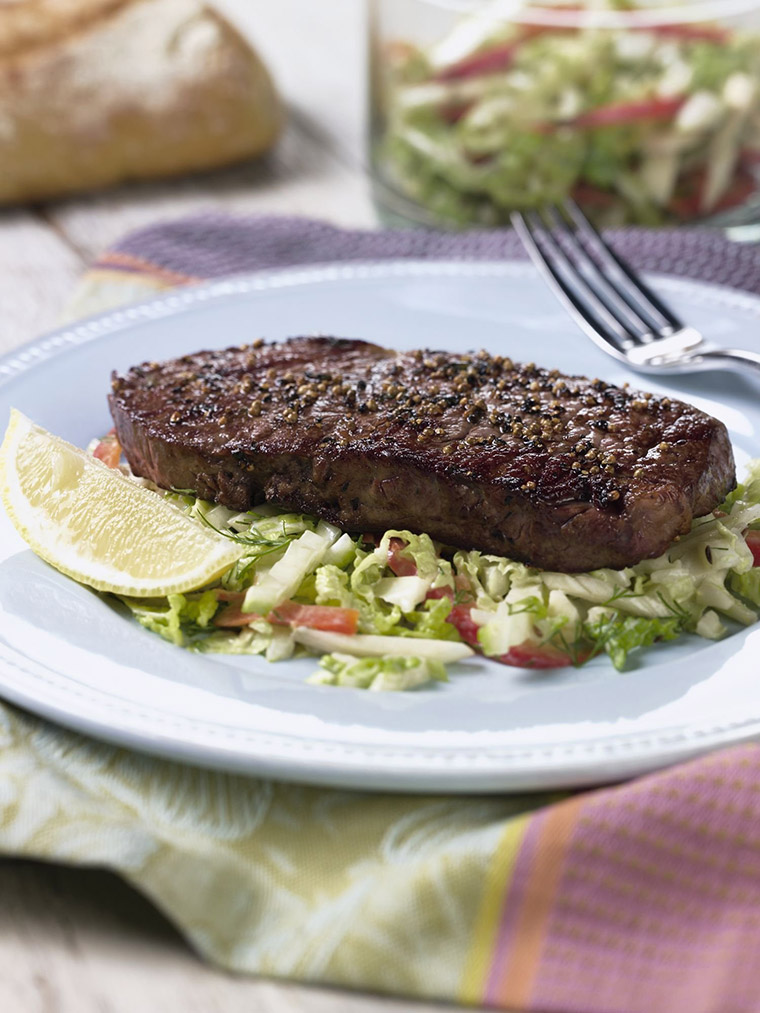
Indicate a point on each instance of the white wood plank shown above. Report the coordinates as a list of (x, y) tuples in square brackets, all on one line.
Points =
[(37, 272), (74, 941)]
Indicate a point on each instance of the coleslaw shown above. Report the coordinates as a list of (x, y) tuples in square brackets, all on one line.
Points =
[(390, 612), (641, 124)]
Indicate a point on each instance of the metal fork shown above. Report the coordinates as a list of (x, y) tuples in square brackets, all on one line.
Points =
[(611, 302)]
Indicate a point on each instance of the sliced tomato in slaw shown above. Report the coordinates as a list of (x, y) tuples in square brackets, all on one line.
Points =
[(291, 613), (752, 539), (461, 619), (529, 655), (108, 450), (231, 618), (316, 617), (400, 565)]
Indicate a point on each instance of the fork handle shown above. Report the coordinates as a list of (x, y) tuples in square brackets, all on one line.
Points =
[(731, 358)]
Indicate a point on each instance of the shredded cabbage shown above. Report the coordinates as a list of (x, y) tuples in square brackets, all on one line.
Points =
[(408, 589), (179, 618), (378, 674)]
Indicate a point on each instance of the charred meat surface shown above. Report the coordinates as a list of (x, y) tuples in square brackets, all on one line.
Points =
[(558, 471)]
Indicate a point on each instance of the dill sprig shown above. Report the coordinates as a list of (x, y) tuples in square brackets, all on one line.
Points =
[(580, 651), (620, 593), (256, 541), (674, 608)]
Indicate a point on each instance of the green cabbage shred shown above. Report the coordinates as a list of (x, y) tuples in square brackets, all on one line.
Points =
[(378, 674)]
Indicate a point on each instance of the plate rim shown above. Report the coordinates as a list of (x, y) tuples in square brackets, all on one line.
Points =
[(290, 757), (183, 298)]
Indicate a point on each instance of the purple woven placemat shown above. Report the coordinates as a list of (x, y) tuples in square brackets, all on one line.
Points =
[(212, 245)]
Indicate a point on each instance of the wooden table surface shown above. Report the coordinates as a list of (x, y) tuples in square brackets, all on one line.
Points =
[(80, 941)]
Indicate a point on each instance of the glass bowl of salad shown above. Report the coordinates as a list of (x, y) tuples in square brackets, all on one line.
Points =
[(645, 112)]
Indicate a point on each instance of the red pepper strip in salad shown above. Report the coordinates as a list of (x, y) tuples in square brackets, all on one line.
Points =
[(753, 541), (487, 61), (500, 56), (690, 33), (316, 617), (109, 450), (629, 112)]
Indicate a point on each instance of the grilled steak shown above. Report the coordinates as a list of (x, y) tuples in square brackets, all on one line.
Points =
[(561, 472)]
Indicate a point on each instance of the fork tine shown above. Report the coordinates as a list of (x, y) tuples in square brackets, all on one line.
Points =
[(588, 311), (615, 298), (628, 280)]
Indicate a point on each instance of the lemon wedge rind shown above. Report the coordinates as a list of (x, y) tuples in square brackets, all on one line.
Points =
[(98, 526)]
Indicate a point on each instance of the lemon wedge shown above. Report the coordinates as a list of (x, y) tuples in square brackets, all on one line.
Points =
[(99, 527)]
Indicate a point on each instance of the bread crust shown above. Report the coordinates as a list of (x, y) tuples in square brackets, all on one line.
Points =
[(26, 24), (98, 92)]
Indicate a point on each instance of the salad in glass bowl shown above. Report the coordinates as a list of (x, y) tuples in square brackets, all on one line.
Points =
[(644, 114)]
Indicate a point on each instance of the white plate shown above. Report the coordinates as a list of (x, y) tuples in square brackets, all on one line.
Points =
[(67, 654)]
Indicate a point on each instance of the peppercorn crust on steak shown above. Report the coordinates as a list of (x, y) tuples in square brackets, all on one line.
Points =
[(558, 471)]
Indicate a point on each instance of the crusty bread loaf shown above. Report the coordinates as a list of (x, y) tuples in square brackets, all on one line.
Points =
[(97, 92)]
